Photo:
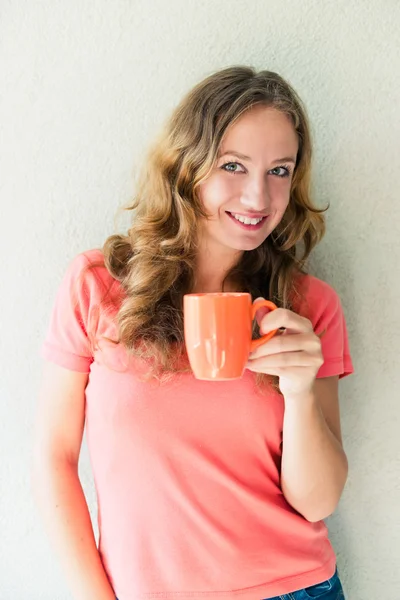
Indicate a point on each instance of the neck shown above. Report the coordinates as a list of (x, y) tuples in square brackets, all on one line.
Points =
[(212, 269)]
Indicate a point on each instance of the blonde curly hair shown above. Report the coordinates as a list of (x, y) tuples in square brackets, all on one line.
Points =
[(154, 261)]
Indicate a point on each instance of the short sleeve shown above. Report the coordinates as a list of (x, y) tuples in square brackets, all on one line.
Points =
[(67, 342), (324, 309)]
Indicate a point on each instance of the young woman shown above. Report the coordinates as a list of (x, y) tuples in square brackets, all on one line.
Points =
[(206, 490)]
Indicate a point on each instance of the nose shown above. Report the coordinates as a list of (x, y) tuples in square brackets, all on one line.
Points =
[(255, 196)]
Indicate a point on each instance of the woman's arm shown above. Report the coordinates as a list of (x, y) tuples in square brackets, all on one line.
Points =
[(56, 485), (314, 464)]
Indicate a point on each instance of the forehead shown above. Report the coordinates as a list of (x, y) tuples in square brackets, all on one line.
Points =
[(261, 129)]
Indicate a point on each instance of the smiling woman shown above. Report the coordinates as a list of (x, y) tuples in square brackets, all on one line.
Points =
[(248, 190), (205, 489)]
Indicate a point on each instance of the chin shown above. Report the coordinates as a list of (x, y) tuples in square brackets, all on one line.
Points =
[(246, 246)]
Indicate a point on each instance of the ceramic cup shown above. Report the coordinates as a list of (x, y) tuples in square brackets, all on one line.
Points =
[(218, 330)]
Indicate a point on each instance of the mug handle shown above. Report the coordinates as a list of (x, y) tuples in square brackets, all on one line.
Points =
[(258, 304)]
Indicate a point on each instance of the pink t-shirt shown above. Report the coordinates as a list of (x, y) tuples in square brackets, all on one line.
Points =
[(187, 472)]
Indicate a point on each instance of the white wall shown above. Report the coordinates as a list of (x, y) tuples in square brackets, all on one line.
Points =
[(84, 86)]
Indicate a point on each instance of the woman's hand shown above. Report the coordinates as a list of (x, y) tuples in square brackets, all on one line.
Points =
[(295, 355)]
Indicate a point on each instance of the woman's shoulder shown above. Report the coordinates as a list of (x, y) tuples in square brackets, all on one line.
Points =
[(93, 258), (88, 261), (321, 304), (315, 295), (88, 271)]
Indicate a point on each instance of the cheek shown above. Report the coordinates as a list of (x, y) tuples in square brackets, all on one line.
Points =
[(216, 192), (280, 196), (281, 205)]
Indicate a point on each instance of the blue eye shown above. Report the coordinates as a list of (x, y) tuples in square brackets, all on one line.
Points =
[(232, 167), (285, 171)]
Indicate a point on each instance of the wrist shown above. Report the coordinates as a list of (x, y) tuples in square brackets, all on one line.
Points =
[(301, 400)]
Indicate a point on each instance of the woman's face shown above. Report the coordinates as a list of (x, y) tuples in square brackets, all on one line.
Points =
[(248, 189)]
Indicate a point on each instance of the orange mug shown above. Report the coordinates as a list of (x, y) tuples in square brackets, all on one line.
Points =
[(218, 329)]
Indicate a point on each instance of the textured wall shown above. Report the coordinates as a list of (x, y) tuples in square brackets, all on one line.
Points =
[(84, 86)]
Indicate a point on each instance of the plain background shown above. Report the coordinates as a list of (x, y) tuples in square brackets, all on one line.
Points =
[(84, 87)]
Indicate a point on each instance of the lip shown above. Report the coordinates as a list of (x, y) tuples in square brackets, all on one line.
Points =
[(249, 215), (252, 216)]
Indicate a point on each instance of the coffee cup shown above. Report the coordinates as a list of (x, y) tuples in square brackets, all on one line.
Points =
[(218, 330)]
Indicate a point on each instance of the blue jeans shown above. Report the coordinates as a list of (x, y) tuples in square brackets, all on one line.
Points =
[(331, 589)]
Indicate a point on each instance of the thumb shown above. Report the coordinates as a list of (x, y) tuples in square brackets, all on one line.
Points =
[(261, 312)]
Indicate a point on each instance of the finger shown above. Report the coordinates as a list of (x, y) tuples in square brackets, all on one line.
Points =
[(261, 312), (282, 317), (271, 371), (304, 342), (279, 371), (287, 359)]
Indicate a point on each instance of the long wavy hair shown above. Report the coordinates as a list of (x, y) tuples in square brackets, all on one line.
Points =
[(155, 260)]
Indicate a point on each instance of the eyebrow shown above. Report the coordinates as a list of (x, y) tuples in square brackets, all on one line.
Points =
[(244, 157)]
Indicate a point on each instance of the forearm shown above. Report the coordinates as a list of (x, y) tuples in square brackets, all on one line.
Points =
[(62, 503), (314, 464)]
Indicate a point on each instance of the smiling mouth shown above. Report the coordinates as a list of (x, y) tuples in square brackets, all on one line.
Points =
[(250, 223)]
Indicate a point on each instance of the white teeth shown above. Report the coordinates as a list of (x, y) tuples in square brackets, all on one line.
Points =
[(246, 220)]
